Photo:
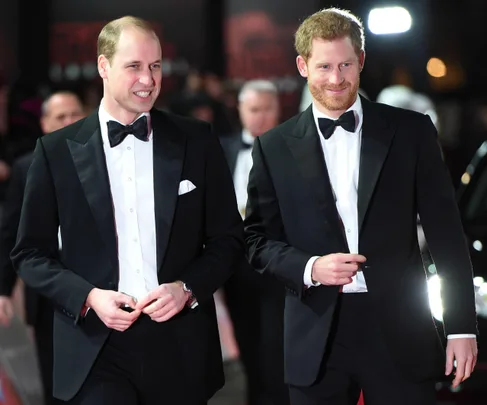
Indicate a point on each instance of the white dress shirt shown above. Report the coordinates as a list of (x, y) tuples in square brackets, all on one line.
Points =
[(342, 157), (130, 172), (241, 172)]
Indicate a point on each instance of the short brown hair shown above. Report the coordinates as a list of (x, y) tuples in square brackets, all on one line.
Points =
[(329, 24), (110, 34)]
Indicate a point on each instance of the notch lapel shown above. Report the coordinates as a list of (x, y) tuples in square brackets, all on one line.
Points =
[(169, 145), (305, 146), (376, 139), (89, 160)]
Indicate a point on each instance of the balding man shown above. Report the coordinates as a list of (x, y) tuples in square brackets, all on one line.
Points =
[(58, 110), (256, 302)]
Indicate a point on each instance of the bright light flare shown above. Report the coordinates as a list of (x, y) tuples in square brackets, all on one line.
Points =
[(389, 20)]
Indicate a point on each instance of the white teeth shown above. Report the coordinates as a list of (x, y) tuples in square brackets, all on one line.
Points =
[(142, 93)]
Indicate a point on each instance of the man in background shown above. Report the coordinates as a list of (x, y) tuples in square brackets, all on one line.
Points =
[(255, 302), (58, 110)]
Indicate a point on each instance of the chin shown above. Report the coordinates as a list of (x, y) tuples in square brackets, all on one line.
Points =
[(143, 105)]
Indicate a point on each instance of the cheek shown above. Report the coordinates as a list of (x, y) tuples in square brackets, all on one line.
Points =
[(353, 77), (158, 80), (317, 80)]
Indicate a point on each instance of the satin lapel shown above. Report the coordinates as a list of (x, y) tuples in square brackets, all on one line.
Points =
[(169, 149), (89, 160), (377, 135), (305, 146)]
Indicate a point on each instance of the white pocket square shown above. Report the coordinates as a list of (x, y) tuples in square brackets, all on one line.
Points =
[(185, 187)]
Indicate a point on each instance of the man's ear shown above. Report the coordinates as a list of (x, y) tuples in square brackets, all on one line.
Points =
[(302, 66), (361, 60), (103, 66)]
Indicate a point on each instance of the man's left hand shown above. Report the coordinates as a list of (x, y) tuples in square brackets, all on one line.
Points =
[(464, 352), (165, 301)]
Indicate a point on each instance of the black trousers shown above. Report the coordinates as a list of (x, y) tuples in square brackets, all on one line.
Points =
[(139, 366), (256, 306), (357, 359), (43, 341)]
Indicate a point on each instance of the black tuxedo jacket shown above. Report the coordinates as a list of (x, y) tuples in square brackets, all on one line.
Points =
[(232, 144), (291, 216), (8, 235), (199, 238)]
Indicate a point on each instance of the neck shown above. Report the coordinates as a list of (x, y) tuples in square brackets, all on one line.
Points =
[(119, 113)]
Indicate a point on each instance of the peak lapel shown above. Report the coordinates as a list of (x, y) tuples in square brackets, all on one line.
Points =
[(305, 146), (169, 149), (89, 160), (377, 135)]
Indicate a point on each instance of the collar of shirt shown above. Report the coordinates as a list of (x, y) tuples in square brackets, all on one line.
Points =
[(247, 137), (356, 107), (104, 117)]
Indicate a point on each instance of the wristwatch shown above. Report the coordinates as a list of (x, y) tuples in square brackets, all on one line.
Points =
[(192, 301)]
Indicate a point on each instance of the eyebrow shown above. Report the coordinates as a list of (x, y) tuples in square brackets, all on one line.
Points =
[(138, 62), (322, 62)]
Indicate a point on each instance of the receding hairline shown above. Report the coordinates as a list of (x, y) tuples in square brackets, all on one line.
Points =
[(115, 28), (258, 87), (47, 101)]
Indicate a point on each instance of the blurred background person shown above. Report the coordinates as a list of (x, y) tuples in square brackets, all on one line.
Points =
[(4, 166), (404, 97), (256, 302), (58, 110)]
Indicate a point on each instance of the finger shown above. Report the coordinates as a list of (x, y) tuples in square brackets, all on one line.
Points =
[(125, 299), (9, 311), (157, 305), (449, 362), (148, 299), (115, 323), (123, 316), (342, 277), (351, 257), (347, 267), (340, 273), (167, 316), (343, 281), (469, 366), (121, 328), (164, 310), (459, 373)]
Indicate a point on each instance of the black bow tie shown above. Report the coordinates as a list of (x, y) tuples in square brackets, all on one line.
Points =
[(346, 121), (117, 132)]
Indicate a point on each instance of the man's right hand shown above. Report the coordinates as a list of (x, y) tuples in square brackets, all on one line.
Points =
[(6, 310), (336, 268), (107, 303)]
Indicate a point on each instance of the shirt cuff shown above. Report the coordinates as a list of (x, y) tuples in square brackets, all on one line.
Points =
[(461, 336), (308, 281), (84, 311)]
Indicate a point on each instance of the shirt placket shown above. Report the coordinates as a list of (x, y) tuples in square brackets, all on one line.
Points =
[(130, 196)]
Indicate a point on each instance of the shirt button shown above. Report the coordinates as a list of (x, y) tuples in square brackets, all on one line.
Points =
[(129, 148), (137, 271), (349, 230), (131, 210), (136, 240), (129, 179)]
